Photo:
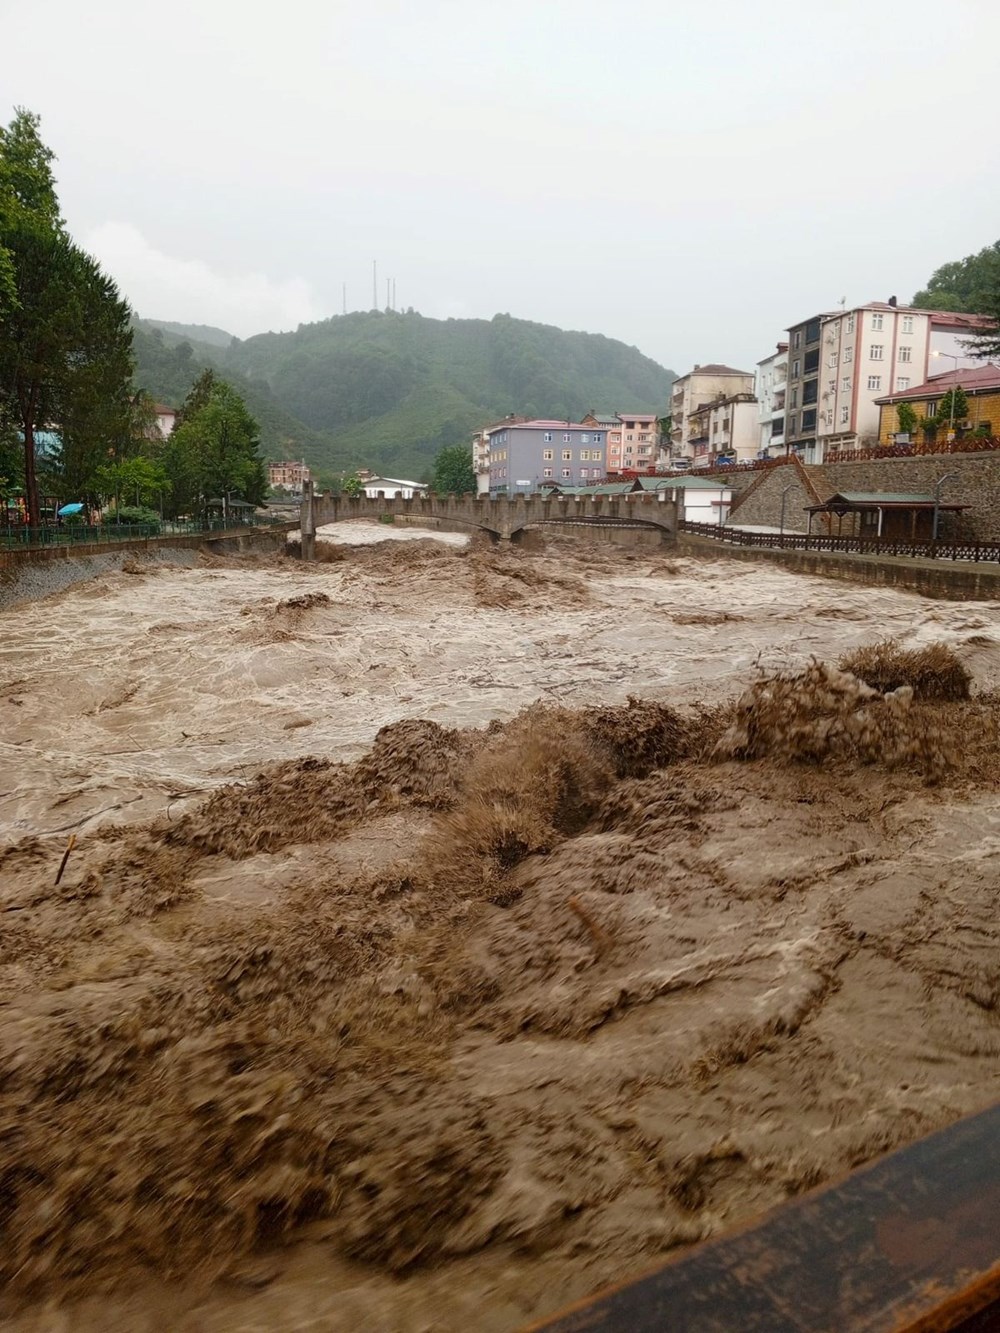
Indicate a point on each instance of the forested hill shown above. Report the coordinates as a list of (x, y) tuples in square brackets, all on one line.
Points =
[(390, 389)]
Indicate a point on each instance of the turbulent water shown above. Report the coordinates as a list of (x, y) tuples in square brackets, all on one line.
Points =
[(437, 943)]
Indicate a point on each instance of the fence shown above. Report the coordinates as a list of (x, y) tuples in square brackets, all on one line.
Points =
[(21, 537), (969, 444), (801, 541)]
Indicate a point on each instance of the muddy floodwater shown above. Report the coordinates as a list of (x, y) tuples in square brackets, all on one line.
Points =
[(438, 943)]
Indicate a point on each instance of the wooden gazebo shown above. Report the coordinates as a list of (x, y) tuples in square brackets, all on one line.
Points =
[(894, 515)]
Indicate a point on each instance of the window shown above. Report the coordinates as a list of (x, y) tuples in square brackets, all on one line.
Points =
[(831, 360), (845, 413), (874, 382), (630, 437), (810, 392), (547, 437), (567, 455), (932, 408), (546, 472), (791, 424), (797, 342), (584, 472), (547, 455), (831, 387), (902, 382), (875, 352), (597, 438), (907, 323), (794, 399), (567, 437), (809, 420), (567, 472), (906, 354), (812, 361), (715, 428), (644, 448), (595, 455), (845, 384), (848, 355), (812, 332), (584, 438), (796, 368), (725, 423), (876, 322), (850, 323)]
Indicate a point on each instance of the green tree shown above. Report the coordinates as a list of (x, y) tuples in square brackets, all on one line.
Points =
[(959, 412), (906, 415), (453, 472), (965, 284), (139, 481), (213, 453), (65, 339), (352, 485)]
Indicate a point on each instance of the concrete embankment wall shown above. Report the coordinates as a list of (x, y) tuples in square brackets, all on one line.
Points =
[(975, 481), (955, 582), (26, 576)]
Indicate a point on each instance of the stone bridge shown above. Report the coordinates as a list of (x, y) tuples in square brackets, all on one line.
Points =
[(504, 519)]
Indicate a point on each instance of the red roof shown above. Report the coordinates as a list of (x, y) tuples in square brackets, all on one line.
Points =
[(978, 380)]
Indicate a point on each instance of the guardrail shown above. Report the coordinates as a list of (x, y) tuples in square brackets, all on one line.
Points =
[(22, 537), (801, 541)]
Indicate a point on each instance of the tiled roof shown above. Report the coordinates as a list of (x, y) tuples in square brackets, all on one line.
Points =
[(715, 369), (980, 379), (681, 481)]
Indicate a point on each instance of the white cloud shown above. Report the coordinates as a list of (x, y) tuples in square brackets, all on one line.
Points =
[(161, 286)]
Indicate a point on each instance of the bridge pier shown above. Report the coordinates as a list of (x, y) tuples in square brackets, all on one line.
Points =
[(307, 524)]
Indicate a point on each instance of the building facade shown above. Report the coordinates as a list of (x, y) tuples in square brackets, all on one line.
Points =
[(840, 363), (769, 386), (392, 488), (166, 419), (725, 429), (481, 451), (703, 384), (528, 455), (982, 391), (610, 425), (287, 476)]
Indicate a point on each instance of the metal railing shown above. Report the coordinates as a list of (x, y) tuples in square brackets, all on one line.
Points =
[(801, 541), (969, 444), (19, 536)]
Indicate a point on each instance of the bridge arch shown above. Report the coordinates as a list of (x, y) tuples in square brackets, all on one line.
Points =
[(500, 516)]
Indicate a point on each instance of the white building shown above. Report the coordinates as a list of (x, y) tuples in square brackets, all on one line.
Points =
[(166, 419), (393, 488), (725, 428), (702, 385), (700, 499), (772, 377), (842, 362)]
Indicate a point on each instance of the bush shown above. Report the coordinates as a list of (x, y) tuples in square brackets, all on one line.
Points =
[(132, 514)]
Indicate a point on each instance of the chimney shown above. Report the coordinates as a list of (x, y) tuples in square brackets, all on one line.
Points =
[(697, 366), (892, 301)]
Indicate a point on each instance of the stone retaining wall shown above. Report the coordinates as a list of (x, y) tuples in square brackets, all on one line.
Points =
[(976, 483)]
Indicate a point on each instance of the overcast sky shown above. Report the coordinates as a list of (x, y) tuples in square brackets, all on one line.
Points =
[(688, 177)]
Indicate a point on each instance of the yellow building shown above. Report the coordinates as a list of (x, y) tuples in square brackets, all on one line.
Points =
[(982, 390)]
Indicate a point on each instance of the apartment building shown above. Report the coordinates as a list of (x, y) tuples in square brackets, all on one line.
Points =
[(981, 387), (769, 387), (725, 428), (703, 384), (287, 476), (528, 455), (841, 362), (481, 450), (610, 424)]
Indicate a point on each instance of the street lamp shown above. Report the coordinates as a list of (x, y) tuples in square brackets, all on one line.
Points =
[(951, 424), (790, 487), (949, 476)]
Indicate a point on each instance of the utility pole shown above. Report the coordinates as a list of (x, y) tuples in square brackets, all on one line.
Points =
[(374, 284), (388, 290), (344, 292)]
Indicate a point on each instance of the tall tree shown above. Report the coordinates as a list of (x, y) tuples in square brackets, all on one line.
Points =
[(65, 339), (213, 453), (453, 471)]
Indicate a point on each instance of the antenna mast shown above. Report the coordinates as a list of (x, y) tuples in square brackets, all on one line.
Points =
[(374, 284)]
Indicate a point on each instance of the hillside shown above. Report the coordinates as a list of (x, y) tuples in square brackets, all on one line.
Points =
[(167, 365), (390, 389)]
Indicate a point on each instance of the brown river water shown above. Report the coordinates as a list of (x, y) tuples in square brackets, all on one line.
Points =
[(351, 1010)]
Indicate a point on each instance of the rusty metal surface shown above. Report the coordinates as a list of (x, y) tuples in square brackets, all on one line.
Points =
[(908, 1244)]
